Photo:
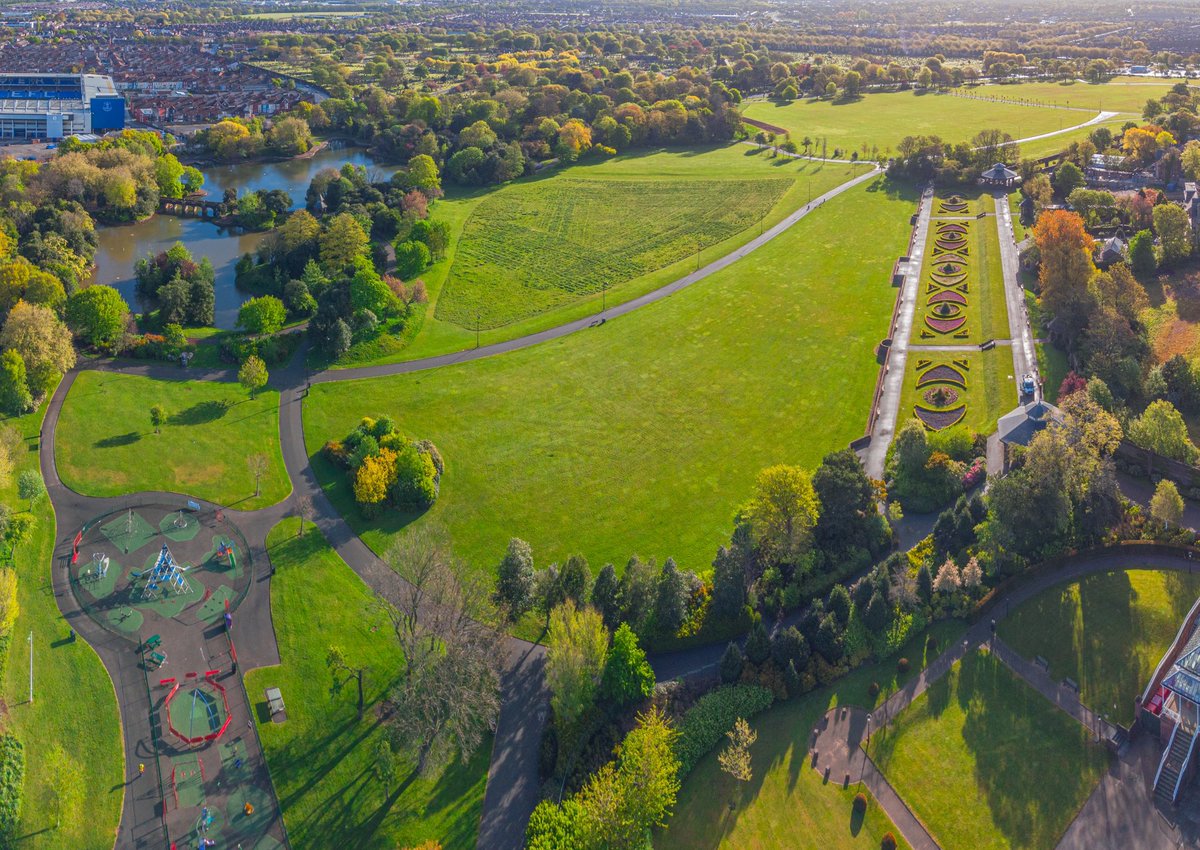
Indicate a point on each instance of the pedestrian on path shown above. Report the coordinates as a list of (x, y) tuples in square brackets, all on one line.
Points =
[(141, 768)]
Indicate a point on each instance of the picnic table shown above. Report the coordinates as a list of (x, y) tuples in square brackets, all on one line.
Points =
[(151, 643), (157, 659)]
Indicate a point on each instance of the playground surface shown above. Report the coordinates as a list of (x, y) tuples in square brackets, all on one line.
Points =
[(167, 580)]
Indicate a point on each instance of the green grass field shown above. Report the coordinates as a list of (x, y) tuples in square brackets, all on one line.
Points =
[(986, 762), (882, 119), (321, 759), (106, 446), (787, 803), (1107, 632), (74, 701), (430, 335), (1060, 141), (1121, 94), (645, 435), (542, 245)]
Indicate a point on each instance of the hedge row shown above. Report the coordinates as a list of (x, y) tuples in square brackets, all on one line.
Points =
[(714, 714), (12, 780)]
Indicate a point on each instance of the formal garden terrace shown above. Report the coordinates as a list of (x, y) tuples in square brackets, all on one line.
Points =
[(957, 373)]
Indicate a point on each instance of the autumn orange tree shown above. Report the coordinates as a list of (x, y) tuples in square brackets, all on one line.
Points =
[(1066, 257)]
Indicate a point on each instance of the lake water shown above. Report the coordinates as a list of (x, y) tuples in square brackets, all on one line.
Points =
[(121, 246)]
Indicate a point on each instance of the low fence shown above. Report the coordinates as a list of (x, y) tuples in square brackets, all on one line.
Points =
[(1144, 463)]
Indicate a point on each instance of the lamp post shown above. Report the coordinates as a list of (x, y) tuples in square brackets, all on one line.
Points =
[(31, 666)]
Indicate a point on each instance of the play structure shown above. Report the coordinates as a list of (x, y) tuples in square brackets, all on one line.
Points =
[(166, 575), (226, 551), (204, 715), (97, 570)]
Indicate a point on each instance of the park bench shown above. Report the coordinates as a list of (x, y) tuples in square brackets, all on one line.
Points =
[(1042, 662), (152, 642), (1071, 683)]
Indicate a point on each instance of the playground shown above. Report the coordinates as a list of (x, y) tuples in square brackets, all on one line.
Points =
[(135, 569), (169, 579)]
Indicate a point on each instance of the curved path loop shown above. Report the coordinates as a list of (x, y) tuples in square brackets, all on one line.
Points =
[(512, 787)]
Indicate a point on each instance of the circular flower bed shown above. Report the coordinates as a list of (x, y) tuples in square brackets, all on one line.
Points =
[(941, 396)]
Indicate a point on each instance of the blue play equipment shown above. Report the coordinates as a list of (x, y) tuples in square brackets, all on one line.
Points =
[(166, 574)]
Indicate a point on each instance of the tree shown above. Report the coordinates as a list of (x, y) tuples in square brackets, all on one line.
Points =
[(605, 596), (387, 767), (972, 575), (10, 607), (19, 530), (423, 174), (948, 579), (253, 374), (1174, 233), (729, 585), (1166, 505), (1141, 252), (30, 486), (289, 136), (1068, 178), (627, 674), (15, 397), (732, 663), (846, 498), (448, 696), (412, 258), (782, 512), (514, 583), (575, 578), (735, 758), (43, 342), (258, 465), (576, 648), (1066, 259), (304, 510), (158, 417), (1161, 430), (263, 315), (924, 583), (670, 606), (758, 644), (335, 659), (98, 316), (342, 242)]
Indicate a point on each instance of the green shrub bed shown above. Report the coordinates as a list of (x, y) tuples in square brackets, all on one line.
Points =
[(712, 716), (12, 783)]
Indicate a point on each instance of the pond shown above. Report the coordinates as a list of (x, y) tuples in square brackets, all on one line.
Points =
[(121, 246)]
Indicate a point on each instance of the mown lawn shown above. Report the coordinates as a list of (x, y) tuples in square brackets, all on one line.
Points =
[(430, 334), (644, 435), (985, 762), (322, 758), (787, 803), (881, 120), (1061, 141), (106, 445), (1120, 94), (1107, 632), (74, 703)]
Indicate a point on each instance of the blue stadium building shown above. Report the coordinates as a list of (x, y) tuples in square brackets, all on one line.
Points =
[(54, 106)]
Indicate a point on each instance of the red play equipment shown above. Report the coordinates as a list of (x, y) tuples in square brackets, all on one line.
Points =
[(211, 679)]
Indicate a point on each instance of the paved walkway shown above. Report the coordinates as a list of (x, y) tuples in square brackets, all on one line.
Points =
[(1019, 329), (893, 381)]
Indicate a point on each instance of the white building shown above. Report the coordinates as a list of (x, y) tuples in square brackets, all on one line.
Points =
[(54, 106)]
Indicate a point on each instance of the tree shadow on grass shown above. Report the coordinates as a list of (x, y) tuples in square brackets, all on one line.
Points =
[(1029, 758), (201, 413), (118, 440)]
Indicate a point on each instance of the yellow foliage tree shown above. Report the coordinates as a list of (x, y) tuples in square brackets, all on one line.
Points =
[(376, 474), (9, 607)]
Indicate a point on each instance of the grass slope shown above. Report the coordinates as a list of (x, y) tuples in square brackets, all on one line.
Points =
[(74, 701), (882, 119), (787, 804), (1107, 632), (543, 245), (987, 762), (430, 335), (321, 759), (645, 435), (107, 447)]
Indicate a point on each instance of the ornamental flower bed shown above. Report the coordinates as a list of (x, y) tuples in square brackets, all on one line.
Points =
[(975, 474), (941, 396)]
